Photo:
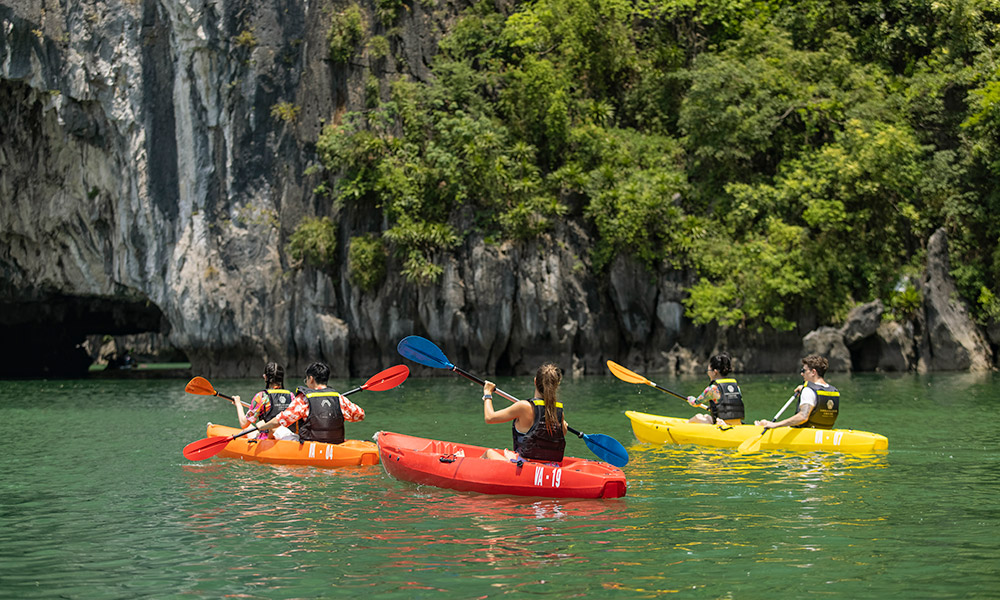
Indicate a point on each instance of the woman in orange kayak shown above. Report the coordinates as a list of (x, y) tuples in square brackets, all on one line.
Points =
[(267, 403), (538, 426)]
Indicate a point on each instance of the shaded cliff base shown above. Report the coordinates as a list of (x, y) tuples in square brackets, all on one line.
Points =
[(63, 336)]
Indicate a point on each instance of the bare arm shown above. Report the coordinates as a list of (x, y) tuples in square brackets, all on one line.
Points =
[(244, 422), (517, 410), (800, 417)]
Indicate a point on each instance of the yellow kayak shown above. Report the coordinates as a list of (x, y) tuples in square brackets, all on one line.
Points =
[(656, 429)]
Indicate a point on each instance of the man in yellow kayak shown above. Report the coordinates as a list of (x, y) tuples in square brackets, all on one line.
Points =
[(819, 402)]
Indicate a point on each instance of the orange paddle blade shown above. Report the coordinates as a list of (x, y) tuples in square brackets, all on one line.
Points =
[(206, 448), (625, 375), (387, 379), (200, 386)]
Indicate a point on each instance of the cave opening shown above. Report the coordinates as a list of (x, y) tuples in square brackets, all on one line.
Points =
[(60, 336)]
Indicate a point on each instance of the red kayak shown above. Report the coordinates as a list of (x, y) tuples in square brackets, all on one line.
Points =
[(460, 467)]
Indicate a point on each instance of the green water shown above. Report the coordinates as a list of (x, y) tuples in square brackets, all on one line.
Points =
[(96, 501)]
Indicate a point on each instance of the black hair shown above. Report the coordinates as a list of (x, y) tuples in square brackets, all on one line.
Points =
[(274, 373), (721, 363), (319, 372)]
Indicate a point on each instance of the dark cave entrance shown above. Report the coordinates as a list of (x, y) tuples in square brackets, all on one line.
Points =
[(46, 337)]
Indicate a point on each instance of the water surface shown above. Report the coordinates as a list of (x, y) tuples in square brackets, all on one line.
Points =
[(96, 501)]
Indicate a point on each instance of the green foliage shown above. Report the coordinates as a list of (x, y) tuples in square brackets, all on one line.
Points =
[(387, 10), (346, 32), (314, 243), (903, 303), (366, 262), (754, 282), (245, 39), (794, 156), (378, 47), (285, 111)]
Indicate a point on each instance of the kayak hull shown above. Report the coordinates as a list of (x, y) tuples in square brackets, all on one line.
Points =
[(656, 429), (351, 453), (460, 467)]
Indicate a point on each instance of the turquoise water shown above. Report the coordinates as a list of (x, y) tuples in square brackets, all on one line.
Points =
[(96, 501)]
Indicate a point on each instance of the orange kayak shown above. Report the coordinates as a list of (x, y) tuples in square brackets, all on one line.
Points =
[(460, 467), (351, 453)]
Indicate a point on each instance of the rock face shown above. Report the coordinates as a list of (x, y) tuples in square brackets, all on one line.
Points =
[(952, 341), (940, 337), (147, 184)]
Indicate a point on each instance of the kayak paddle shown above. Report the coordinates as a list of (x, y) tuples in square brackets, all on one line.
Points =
[(202, 387), (423, 351), (209, 447), (752, 444), (632, 377)]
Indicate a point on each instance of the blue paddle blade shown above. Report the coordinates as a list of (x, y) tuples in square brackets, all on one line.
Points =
[(607, 448), (423, 351)]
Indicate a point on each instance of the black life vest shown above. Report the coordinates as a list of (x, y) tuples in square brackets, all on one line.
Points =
[(280, 400), (325, 422), (824, 414), (538, 443), (730, 402)]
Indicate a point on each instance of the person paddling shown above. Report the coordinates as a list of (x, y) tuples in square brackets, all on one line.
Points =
[(318, 411), (819, 402), (538, 426), (723, 394), (267, 403)]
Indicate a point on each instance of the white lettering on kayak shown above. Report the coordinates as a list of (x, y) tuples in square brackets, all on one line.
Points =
[(819, 436), (329, 451), (556, 477), (539, 472), (312, 450), (837, 437)]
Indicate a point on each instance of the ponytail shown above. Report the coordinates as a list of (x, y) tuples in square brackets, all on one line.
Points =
[(547, 380), (274, 373)]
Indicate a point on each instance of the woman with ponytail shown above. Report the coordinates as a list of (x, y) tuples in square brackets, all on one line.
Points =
[(267, 403), (538, 426), (723, 394)]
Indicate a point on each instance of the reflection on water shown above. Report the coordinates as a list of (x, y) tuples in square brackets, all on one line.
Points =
[(103, 515)]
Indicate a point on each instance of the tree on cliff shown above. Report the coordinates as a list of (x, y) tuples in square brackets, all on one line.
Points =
[(793, 154)]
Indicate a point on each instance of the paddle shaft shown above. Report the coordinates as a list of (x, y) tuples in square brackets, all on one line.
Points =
[(778, 414), (753, 444), (504, 394), (663, 389)]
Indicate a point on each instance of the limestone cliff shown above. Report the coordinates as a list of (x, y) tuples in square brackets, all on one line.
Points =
[(148, 184)]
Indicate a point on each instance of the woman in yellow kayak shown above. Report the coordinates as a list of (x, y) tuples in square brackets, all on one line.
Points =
[(538, 426), (723, 394)]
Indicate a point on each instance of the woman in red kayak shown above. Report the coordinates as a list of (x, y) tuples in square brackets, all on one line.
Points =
[(538, 426)]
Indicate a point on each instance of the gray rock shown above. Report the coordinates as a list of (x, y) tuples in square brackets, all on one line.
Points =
[(897, 351), (952, 342), (862, 322), (828, 342)]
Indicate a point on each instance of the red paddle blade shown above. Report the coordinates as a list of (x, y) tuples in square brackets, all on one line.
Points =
[(206, 448), (388, 379), (200, 386)]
